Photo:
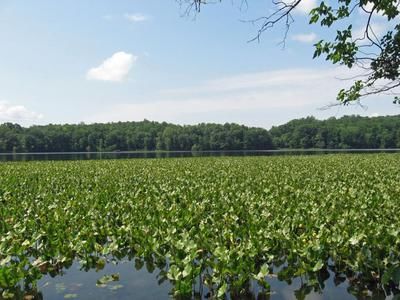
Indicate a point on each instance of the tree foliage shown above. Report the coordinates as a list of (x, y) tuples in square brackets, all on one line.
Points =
[(346, 133), (350, 132), (131, 136), (377, 59)]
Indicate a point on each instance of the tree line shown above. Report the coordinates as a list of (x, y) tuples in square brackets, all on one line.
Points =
[(350, 132), (131, 136)]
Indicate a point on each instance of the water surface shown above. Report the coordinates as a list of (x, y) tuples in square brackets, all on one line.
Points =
[(139, 281), (166, 154)]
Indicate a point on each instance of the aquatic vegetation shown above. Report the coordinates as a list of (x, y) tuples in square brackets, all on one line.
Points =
[(214, 222)]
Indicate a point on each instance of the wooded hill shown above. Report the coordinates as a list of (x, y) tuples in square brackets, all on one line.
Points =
[(350, 132)]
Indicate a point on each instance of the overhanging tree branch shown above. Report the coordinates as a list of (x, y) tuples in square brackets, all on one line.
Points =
[(381, 60)]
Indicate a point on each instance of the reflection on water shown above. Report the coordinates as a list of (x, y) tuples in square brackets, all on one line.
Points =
[(128, 284), (141, 280), (165, 154)]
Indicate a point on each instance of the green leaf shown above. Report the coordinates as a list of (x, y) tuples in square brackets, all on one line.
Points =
[(7, 294), (187, 271), (222, 290), (318, 266)]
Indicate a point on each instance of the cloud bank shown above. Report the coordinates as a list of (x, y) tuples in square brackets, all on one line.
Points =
[(250, 98)]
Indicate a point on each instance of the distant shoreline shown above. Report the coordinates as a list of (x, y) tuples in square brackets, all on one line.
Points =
[(206, 151)]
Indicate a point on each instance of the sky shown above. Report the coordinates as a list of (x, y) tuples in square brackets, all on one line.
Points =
[(72, 61)]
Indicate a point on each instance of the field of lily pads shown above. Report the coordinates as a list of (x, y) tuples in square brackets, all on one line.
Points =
[(214, 224)]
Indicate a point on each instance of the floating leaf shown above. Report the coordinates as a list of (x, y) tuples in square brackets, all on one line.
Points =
[(115, 287)]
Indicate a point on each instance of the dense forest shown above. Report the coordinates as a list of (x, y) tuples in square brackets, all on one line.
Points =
[(131, 136), (348, 132)]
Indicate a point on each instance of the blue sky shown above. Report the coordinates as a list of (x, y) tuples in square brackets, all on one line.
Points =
[(100, 61)]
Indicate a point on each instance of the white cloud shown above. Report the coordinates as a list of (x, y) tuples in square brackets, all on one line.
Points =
[(304, 7), (305, 38), (136, 17), (370, 6), (269, 80), (115, 68), (242, 96), (10, 112), (376, 30)]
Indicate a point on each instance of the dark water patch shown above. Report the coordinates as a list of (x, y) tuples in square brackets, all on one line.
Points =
[(167, 154), (127, 279), (118, 280)]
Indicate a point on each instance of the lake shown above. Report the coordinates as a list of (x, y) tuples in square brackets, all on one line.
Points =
[(166, 154), (139, 280)]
